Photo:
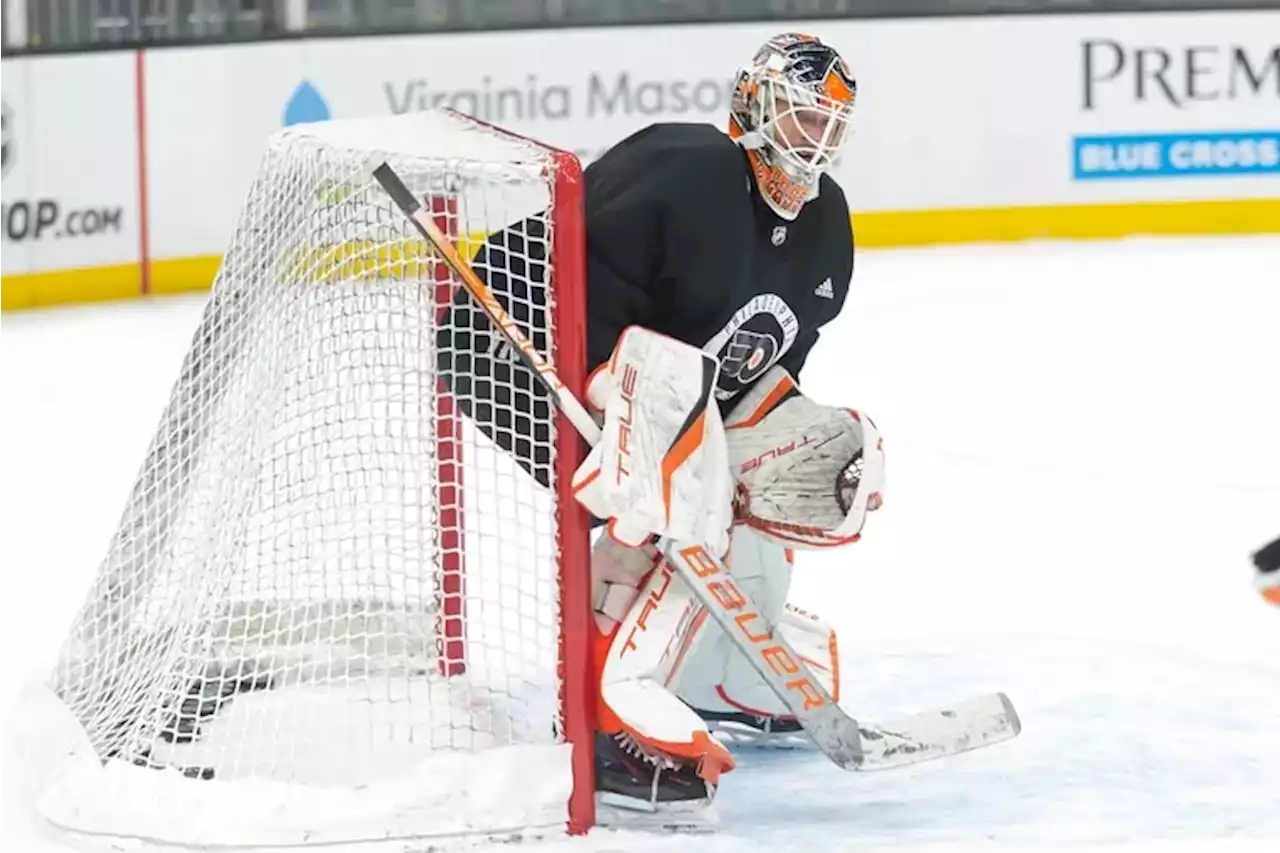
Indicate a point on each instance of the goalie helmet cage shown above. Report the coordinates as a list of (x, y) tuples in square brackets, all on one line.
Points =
[(347, 600)]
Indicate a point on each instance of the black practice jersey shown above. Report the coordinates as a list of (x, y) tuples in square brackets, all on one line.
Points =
[(678, 241)]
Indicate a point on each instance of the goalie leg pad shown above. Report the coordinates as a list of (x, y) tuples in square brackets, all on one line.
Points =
[(639, 657), (719, 683)]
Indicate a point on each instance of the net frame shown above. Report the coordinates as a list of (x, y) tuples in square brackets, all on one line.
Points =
[(567, 345)]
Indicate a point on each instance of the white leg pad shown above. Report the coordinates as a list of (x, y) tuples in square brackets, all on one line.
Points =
[(716, 677), (643, 657), (643, 660)]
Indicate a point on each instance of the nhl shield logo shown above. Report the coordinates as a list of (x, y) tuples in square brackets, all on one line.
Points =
[(779, 235), (6, 127)]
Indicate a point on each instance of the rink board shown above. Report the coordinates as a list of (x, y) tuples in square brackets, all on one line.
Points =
[(1058, 127)]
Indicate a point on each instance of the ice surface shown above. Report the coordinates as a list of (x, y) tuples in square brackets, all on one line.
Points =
[(1082, 451)]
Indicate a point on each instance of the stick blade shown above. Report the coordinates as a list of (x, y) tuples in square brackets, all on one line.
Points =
[(972, 724)]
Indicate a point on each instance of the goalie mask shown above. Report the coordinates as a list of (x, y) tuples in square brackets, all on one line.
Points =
[(791, 111)]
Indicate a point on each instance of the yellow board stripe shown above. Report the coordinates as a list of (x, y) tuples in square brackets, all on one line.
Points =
[(96, 284), (1067, 222), (878, 229), (182, 275)]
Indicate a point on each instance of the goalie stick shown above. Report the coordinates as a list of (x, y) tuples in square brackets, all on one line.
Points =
[(978, 722)]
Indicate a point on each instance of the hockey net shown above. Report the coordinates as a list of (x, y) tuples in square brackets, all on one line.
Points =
[(346, 600)]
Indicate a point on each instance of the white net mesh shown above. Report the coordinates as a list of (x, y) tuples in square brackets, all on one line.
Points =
[(341, 553)]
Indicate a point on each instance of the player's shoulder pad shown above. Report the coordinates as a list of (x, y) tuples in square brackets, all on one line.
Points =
[(696, 155)]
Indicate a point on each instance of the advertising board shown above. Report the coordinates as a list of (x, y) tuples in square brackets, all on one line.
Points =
[(70, 176), (1191, 103), (967, 129)]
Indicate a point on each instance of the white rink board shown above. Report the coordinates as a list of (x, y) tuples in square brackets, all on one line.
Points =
[(953, 113), (221, 104), (71, 162), (983, 112)]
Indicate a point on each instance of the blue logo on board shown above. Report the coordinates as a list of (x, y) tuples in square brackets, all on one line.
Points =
[(1175, 155), (305, 104)]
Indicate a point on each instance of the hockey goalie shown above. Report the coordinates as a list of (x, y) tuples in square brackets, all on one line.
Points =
[(713, 260), (779, 472)]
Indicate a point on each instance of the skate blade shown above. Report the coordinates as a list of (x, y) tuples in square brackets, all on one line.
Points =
[(688, 816), (739, 736)]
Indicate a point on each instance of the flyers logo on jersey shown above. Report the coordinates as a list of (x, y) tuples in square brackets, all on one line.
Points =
[(757, 335)]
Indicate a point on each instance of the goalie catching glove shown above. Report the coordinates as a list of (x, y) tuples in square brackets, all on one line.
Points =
[(807, 474)]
